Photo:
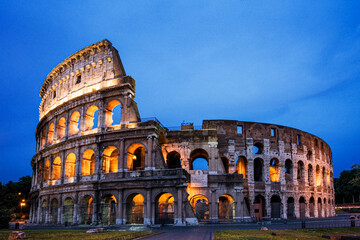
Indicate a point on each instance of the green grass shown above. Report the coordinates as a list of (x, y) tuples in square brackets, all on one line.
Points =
[(77, 234), (285, 233)]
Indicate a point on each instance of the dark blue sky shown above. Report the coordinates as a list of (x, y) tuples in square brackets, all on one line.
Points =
[(294, 63)]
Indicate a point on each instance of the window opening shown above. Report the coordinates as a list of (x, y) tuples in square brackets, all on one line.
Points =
[(78, 79), (239, 129), (273, 133)]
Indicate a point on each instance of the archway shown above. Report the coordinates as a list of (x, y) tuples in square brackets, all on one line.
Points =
[(259, 207), (88, 162), (290, 208), (56, 168), (74, 124), (91, 118), (226, 208), (68, 211), (319, 208), (164, 213), (108, 210), (61, 128), (241, 166), (318, 176), (258, 169), (136, 157), (274, 170), (54, 208), (135, 209), (310, 175), (51, 133), (301, 172), (288, 170), (70, 165), (302, 207), (225, 163), (86, 210), (110, 160), (312, 207), (173, 160), (275, 206), (113, 113), (46, 170), (43, 211), (199, 160), (200, 206)]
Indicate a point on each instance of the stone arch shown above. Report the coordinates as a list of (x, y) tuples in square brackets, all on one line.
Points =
[(318, 175), (274, 170), (51, 133), (258, 148), (325, 208), (200, 206), (109, 112), (43, 137), (241, 166), (136, 157), (39, 172), (56, 168), (74, 123), (110, 160), (289, 170), (88, 162), (70, 165), (275, 202), (44, 206), (226, 207), (328, 181), (61, 128), (135, 209), (319, 207), (68, 211), (312, 207), (225, 163), (324, 183), (199, 156), (173, 160), (302, 207), (259, 207), (54, 210), (86, 210), (46, 170), (301, 171), (108, 210), (310, 175), (258, 169), (165, 211), (290, 208), (91, 113)]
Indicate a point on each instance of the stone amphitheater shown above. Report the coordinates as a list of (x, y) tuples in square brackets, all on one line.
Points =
[(98, 162)]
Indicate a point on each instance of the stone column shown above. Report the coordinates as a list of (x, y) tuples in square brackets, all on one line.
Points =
[(47, 217), (214, 213), (268, 204), (38, 218), (179, 217), (63, 160), (148, 159), (98, 161), (119, 211), (121, 156), (239, 201), (76, 210), (212, 163), (284, 205), (147, 217), (77, 165), (95, 219)]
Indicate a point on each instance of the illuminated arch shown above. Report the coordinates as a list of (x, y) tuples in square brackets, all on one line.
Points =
[(46, 170), (200, 206), (136, 157), (135, 209), (56, 168), (70, 165), (226, 207), (61, 128), (241, 166), (86, 210), (109, 112), (88, 162), (164, 213), (51, 133), (274, 170), (110, 160), (90, 118), (74, 123)]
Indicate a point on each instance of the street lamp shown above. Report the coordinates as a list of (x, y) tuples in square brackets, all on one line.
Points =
[(22, 204)]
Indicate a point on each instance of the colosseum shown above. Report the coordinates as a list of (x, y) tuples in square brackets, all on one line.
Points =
[(98, 162)]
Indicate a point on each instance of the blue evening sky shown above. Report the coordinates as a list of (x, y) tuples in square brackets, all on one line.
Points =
[(294, 63)]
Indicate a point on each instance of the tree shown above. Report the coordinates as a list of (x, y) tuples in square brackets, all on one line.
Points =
[(347, 186)]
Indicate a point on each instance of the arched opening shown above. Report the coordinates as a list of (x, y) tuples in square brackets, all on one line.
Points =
[(288, 170), (110, 160), (173, 160), (68, 211), (54, 209), (86, 210), (56, 168), (325, 208), (108, 210), (241, 166), (318, 176), (258, 169), (39, 172), (51, 133), (310, 175), (302, 207), (136, 157), (91, 118), (70, 165), (301, 172), (319, 208), (290, 208), (312, 207), (199, 160), (43, 137), (61, 128), (88, 162), (200, 206), (226, 208), (164, 213), (324, 177), (274, 170), (43, 211), (308, 155), (327, 177), (46, 170), (258, 148), (113, 113), (135, 209), (225, 163), (259, 207), (275, 206), (74, 124)]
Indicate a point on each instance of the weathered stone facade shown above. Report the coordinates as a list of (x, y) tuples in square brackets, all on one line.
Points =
[(90, 169)]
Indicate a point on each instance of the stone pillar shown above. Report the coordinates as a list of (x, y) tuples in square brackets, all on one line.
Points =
[(98, 161), (47, 217), (119, 211), (102, 111), (63, 160), (179, 217), (38, 218), (121, 156), (148, 159), (284, 205), (268, 204), (77, 165), (76, 216), (212, 163), (95, 218), (214, 213), (67, 125), (147, 217), (239, 197)]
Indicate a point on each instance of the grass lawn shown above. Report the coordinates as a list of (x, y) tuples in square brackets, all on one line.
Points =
[(285, 233), (77, 234)]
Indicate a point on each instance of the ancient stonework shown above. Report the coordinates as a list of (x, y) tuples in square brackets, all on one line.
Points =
[(94, 165)]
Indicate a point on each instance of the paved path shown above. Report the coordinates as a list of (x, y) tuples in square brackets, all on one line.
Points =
[(183, 233)]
